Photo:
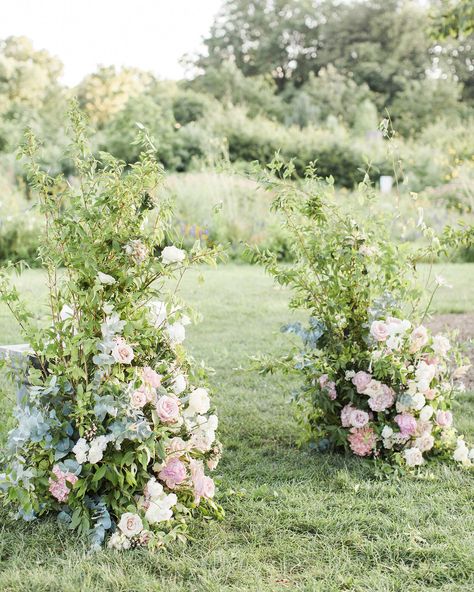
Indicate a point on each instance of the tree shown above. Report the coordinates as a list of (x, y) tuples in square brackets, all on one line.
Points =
[(454, 18), (379, 43), (106, 92), (29, 89), (277, 37)]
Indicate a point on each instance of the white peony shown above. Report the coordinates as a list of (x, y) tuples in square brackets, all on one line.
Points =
[(130, 524), (80, 450), (413, 457), (426, 413), (159, 509), (179, 384), (441, 345), (176, 332), (153, 489), (172, 255), (461, 454), (418, 401), (199, 401), (106, 279)]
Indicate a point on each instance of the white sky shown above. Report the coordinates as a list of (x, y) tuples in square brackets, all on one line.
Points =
[(149, 34)]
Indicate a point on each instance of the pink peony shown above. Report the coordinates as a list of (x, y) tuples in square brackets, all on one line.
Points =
[(379, 330), (346, 413), (122, 352), (173, 473), (362, 440), (323, 380), (167, 409), (444, 418), (150, 377), (382, 400), (359, 418), (406, 423), (361, 381)]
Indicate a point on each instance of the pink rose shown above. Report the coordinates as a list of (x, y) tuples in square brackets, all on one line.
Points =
[(174, 473), (418, 339), (167, 409), (138, 399), (203, 485), (430, 394), (150, 377), (444, 418), (361, 381), (346, 413), (379, 331), (328, 385), (406, 423), (122, 352)]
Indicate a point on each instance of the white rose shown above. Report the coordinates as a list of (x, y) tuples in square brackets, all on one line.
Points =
[(413, 457), (179, 384), (199, 401), (106, 279), (97, 447), (424, 374), (387, 432), (176, 332), (130, 524), (441, 345), (80, 450), (426, 413), (172, 255)]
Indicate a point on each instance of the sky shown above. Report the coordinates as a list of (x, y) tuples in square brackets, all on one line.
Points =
[(148, 34)]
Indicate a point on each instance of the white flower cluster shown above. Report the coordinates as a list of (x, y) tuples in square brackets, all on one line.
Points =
[(92, 452)]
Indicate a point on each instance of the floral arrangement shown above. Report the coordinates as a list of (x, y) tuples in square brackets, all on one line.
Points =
[(116, 431), (375, 382)]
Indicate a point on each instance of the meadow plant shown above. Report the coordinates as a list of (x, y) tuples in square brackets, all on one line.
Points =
[(116, 430)]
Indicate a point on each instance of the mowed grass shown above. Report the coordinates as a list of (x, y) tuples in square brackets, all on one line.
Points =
[(295, 520)]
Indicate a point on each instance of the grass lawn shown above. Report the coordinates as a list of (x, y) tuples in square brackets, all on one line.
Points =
[(295, 520)]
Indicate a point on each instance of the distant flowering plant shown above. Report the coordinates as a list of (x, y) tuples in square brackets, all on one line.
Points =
[(375, 382), (116, 430)]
